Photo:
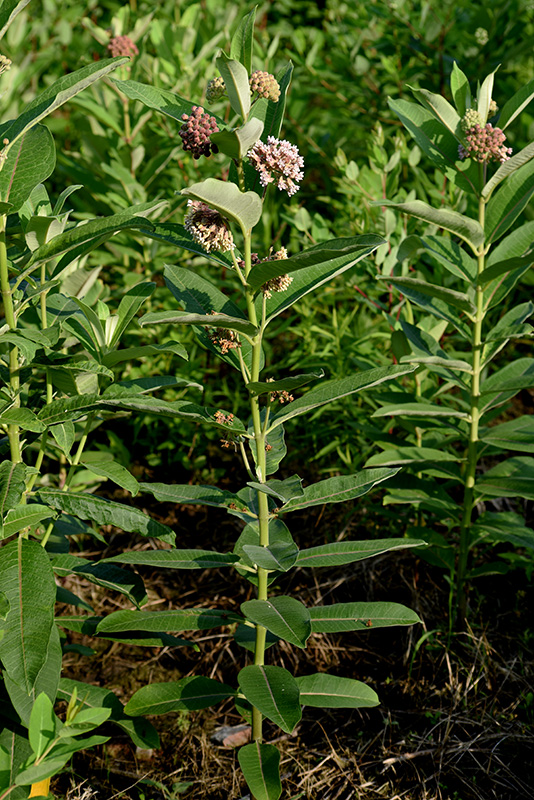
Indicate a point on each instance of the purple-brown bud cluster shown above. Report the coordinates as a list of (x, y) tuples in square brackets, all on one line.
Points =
[(196, 131), (265, 85), (122, 46), (485, 144)]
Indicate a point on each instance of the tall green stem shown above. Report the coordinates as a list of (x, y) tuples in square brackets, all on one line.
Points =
[(472, 449), (9, 311)]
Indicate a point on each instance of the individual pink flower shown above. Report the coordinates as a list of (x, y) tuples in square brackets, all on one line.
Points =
[(278, 161)]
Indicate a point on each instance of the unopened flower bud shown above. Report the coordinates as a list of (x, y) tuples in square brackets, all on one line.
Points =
[(122, 46), (481, 36), (265, 85), (493, 108), (196, 131), (215, 89), (470, 119), (485, 144)]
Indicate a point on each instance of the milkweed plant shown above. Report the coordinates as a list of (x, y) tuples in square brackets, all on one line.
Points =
[(61, 355)]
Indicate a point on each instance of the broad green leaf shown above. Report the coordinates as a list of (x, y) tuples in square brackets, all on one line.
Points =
[(46, 682), (440, 108), (144, 351), (187, 694), (244, 208), (410, 456), (36, 773), (445, 251), (125, 581), (339, 489), (15, 751), (129, 305), (175, 559), (341, 617), (511, 478), (140, 386), (8, 11), (509, 326), (321, 690), (28, 163), (58, 93), (449, 296), (506, 169), (161, 100), (504, 526), (64, 434), (211, 320), (260, 764), (506, 205), (258, 388), (333, 390), (502, 267), (282, 490), (419, 410), (106, 512), (283, 616), (29, 588), (274, 691), (484, 96), (506, 382), (516, 104), (242, 44), (466, 228), (199, 296), (460, 89), (12, 485), (424, 494), (437, 142), (93, 230), (193, 495), (346, 251), (178, 409), (25, 516), (340, 553), (87, 625), (235, 77), (277, 557), (43, 724), (518, 434), (85, 721), (114, 471), (142, 733), (189, 619), (517, 243), (237, 142), (426, 350), (72, 408)]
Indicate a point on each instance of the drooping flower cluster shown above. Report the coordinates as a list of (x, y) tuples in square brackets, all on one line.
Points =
[(223, 338), (278, 161), (215, 89), (223, 419), (281, 282), (485, 144), (265, 85), (196, 131), (122, 46), (5, 64), (208, 228)]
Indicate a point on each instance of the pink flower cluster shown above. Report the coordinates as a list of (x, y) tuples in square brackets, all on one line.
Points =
[(196, 131), (265, 85), (278, 161), (122, 46), (485, 144)]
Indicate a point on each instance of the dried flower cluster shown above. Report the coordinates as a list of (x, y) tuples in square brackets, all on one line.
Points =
[(224, 338), (5, 64), (122, 46), (208, 228), (223, 419), (215, 89), (485, 144), (278, 161), (196, 131), (265, 85)]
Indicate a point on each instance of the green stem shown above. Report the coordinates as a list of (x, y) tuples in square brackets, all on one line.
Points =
[(13, 431), (472, 448)]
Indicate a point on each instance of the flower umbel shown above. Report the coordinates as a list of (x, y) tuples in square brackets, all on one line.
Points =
[(485, 144), (215, 89), (470, 119), (208, 228), (278, 161), (265, 85), (5, 64), (122, 46), (196, 131)]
